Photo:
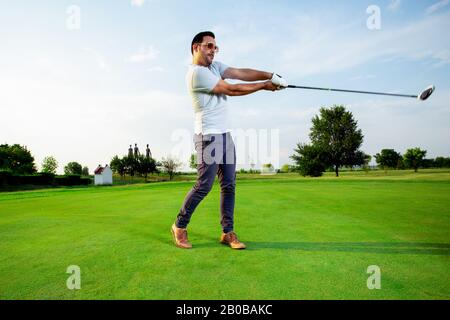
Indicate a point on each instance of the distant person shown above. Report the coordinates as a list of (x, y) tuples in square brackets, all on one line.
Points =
[(213, 142), (136, 150), (130, 152), (148, 153)]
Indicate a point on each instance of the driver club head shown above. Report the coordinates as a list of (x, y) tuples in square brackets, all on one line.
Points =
[(425, 94)]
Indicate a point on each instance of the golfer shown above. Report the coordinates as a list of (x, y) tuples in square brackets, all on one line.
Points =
[(213, 143)]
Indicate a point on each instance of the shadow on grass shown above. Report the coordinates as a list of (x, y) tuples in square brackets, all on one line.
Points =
[(200, 240), (368, 247)]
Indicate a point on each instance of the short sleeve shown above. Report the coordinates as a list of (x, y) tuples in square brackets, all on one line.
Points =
[(203, 80), (222, 67)]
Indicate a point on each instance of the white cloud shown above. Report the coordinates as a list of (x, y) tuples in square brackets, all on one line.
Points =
[(394, 5), (144, 54), (437, 6), (137, 3)]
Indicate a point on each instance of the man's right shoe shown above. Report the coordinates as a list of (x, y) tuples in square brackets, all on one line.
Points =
[(180, 237), (232, 240)]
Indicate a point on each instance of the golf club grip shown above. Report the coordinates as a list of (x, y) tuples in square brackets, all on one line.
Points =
[(353, 91)]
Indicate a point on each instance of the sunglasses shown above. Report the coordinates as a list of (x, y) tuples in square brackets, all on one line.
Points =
[(211, 46)]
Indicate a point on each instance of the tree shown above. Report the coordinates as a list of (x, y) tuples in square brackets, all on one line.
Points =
[(49, 165), (146, 165), (17, 159), (73, 168), (170, 165), (400, 164), (309, 160), (442, 162), (413, 158), (131, 165), (336, 135), (388, 158), (118, 165), (428, 163), (193, 161), (85, 171), (285, 168), (366, 159), (359, 158)]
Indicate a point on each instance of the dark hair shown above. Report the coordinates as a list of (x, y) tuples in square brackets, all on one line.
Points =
[(199, 38)]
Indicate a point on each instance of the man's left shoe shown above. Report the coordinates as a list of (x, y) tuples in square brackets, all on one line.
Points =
[(232, 240)]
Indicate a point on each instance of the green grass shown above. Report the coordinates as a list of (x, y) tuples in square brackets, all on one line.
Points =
[(307, 239)]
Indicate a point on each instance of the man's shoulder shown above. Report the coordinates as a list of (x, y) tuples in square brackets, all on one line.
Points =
[(214, 65), (218, 64), (200, 71), (195, 68)]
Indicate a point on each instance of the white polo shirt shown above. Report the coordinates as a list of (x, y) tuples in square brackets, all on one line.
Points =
[(211, 112)]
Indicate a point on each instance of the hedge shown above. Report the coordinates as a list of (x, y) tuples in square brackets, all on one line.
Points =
[(71, 180), (9, 179)]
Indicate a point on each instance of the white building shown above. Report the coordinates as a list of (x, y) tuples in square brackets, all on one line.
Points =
[(103, 175)]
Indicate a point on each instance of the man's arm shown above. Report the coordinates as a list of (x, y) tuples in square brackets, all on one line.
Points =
[(242, 89), (246, 74)]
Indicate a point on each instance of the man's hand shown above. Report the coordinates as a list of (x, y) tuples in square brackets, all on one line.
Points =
[(268, 85), (278, 81)]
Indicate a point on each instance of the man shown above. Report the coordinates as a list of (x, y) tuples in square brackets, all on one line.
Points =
[(213, 142)]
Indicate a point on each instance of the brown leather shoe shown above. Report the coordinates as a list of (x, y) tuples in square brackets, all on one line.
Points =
[(232, 240), (180, 237)]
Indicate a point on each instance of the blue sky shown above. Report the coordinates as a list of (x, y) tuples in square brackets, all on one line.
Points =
[(85, 94)]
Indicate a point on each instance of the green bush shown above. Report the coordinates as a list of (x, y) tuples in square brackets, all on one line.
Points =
[(41, 179), (7, 178), (38, 179), (309, 160), (71, 180), (4, 177)]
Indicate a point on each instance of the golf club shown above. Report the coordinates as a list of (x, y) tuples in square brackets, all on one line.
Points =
[(424, 95)]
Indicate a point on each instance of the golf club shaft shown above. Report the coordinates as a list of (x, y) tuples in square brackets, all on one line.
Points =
[(354, 91)]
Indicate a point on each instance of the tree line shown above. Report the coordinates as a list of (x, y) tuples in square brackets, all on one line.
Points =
[(18, 168), (17, 159), (143, 166), (413, 158), (336, 141)]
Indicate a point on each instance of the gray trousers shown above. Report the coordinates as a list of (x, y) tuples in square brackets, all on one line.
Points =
[(215, 155)]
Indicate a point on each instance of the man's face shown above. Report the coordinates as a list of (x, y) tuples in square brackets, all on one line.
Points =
[(206, 50)]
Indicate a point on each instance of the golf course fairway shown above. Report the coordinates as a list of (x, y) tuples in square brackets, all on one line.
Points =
[(306, 239)]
